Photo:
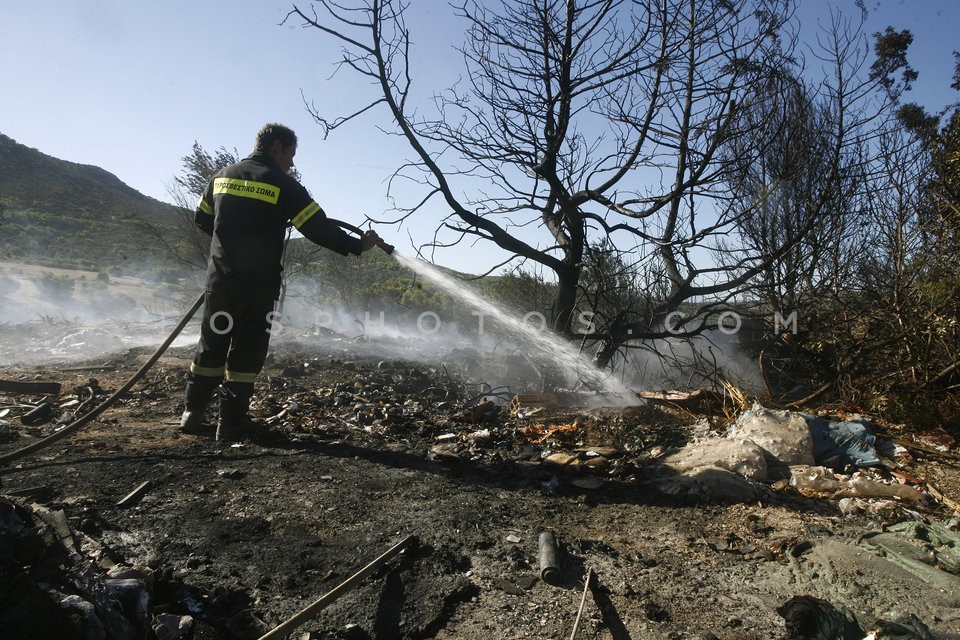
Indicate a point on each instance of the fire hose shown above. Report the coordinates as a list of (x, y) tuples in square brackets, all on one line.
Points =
[(74, 426), (93, 413), (388, 248)]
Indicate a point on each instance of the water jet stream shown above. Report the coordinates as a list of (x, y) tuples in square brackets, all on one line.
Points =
[(548, 345)]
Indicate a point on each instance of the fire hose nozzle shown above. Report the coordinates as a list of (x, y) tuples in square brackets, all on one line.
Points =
[(387, 248)]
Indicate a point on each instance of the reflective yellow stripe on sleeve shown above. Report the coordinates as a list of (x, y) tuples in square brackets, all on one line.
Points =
[(246, 189), (305, 214), (205, 207)]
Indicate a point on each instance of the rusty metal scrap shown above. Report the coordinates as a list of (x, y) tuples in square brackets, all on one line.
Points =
[(539, 433)]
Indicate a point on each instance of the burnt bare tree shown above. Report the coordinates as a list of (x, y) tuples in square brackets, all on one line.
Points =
[(611, 124), (867, 289)]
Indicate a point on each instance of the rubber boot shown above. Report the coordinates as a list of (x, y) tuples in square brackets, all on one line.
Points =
[(234, 425), (199, 392)]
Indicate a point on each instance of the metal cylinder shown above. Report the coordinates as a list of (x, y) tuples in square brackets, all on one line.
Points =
[(549, 564)]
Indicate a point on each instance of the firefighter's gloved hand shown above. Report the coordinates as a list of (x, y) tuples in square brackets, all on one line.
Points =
[(369, 240)]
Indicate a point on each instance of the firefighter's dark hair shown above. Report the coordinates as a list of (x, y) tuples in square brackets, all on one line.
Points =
[(273, 131)]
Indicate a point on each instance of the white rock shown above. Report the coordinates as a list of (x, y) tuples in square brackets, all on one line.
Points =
[(740, 456), (783, 434)]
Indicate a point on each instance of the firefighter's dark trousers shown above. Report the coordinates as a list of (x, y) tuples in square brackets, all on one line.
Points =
[(234, 339)]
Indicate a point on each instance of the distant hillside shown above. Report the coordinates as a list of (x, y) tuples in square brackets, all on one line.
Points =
[(63, 214)]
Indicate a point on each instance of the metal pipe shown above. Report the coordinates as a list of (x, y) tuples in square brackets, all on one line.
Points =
[(549, 565)]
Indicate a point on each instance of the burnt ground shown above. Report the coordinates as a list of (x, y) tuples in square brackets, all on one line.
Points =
[(377, 448)]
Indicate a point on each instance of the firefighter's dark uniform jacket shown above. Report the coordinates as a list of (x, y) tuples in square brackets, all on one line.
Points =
[(247, 208)]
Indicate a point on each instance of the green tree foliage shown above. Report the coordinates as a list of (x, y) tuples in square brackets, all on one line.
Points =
[(890, 49)]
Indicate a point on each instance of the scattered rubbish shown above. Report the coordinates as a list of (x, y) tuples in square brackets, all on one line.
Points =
[(133, 599), (739, 455), (539, 433), (526, 582), (886, 509), (507, 586), (939, 497), (734, 546), (671, 396), (810, 618), (820, 481), (23, 386), (134, 496), (513, 538), (910, 629), (168, 626), (583, 601), (40, 493), (549, 563), (529, 404), (101, 367), (561, 459), (919, 547), (40, 414), (444, 452), (710, 482), (587, 482), (606, 452), (550, 485), (483, 411), (936, 438), (231, 474), (784, 434)]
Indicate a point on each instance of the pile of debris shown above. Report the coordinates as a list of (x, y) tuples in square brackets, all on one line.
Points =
[(61, 583), (816, 455)]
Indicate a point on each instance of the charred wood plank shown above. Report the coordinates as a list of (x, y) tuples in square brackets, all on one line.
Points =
[(25, 386)]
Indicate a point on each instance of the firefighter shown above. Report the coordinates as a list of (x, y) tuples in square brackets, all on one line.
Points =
[(246, 210)]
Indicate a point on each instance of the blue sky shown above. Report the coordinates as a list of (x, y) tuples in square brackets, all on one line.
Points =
[(129, 86)]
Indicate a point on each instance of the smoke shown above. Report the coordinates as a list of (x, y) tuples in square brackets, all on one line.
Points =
[(50, 315), (56, 315), (308, 308), (702, 362)]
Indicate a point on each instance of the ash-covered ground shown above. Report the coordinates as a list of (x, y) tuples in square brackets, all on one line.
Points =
[(373, 446)]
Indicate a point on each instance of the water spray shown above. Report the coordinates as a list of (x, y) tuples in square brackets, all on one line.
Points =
[(555, 349)]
